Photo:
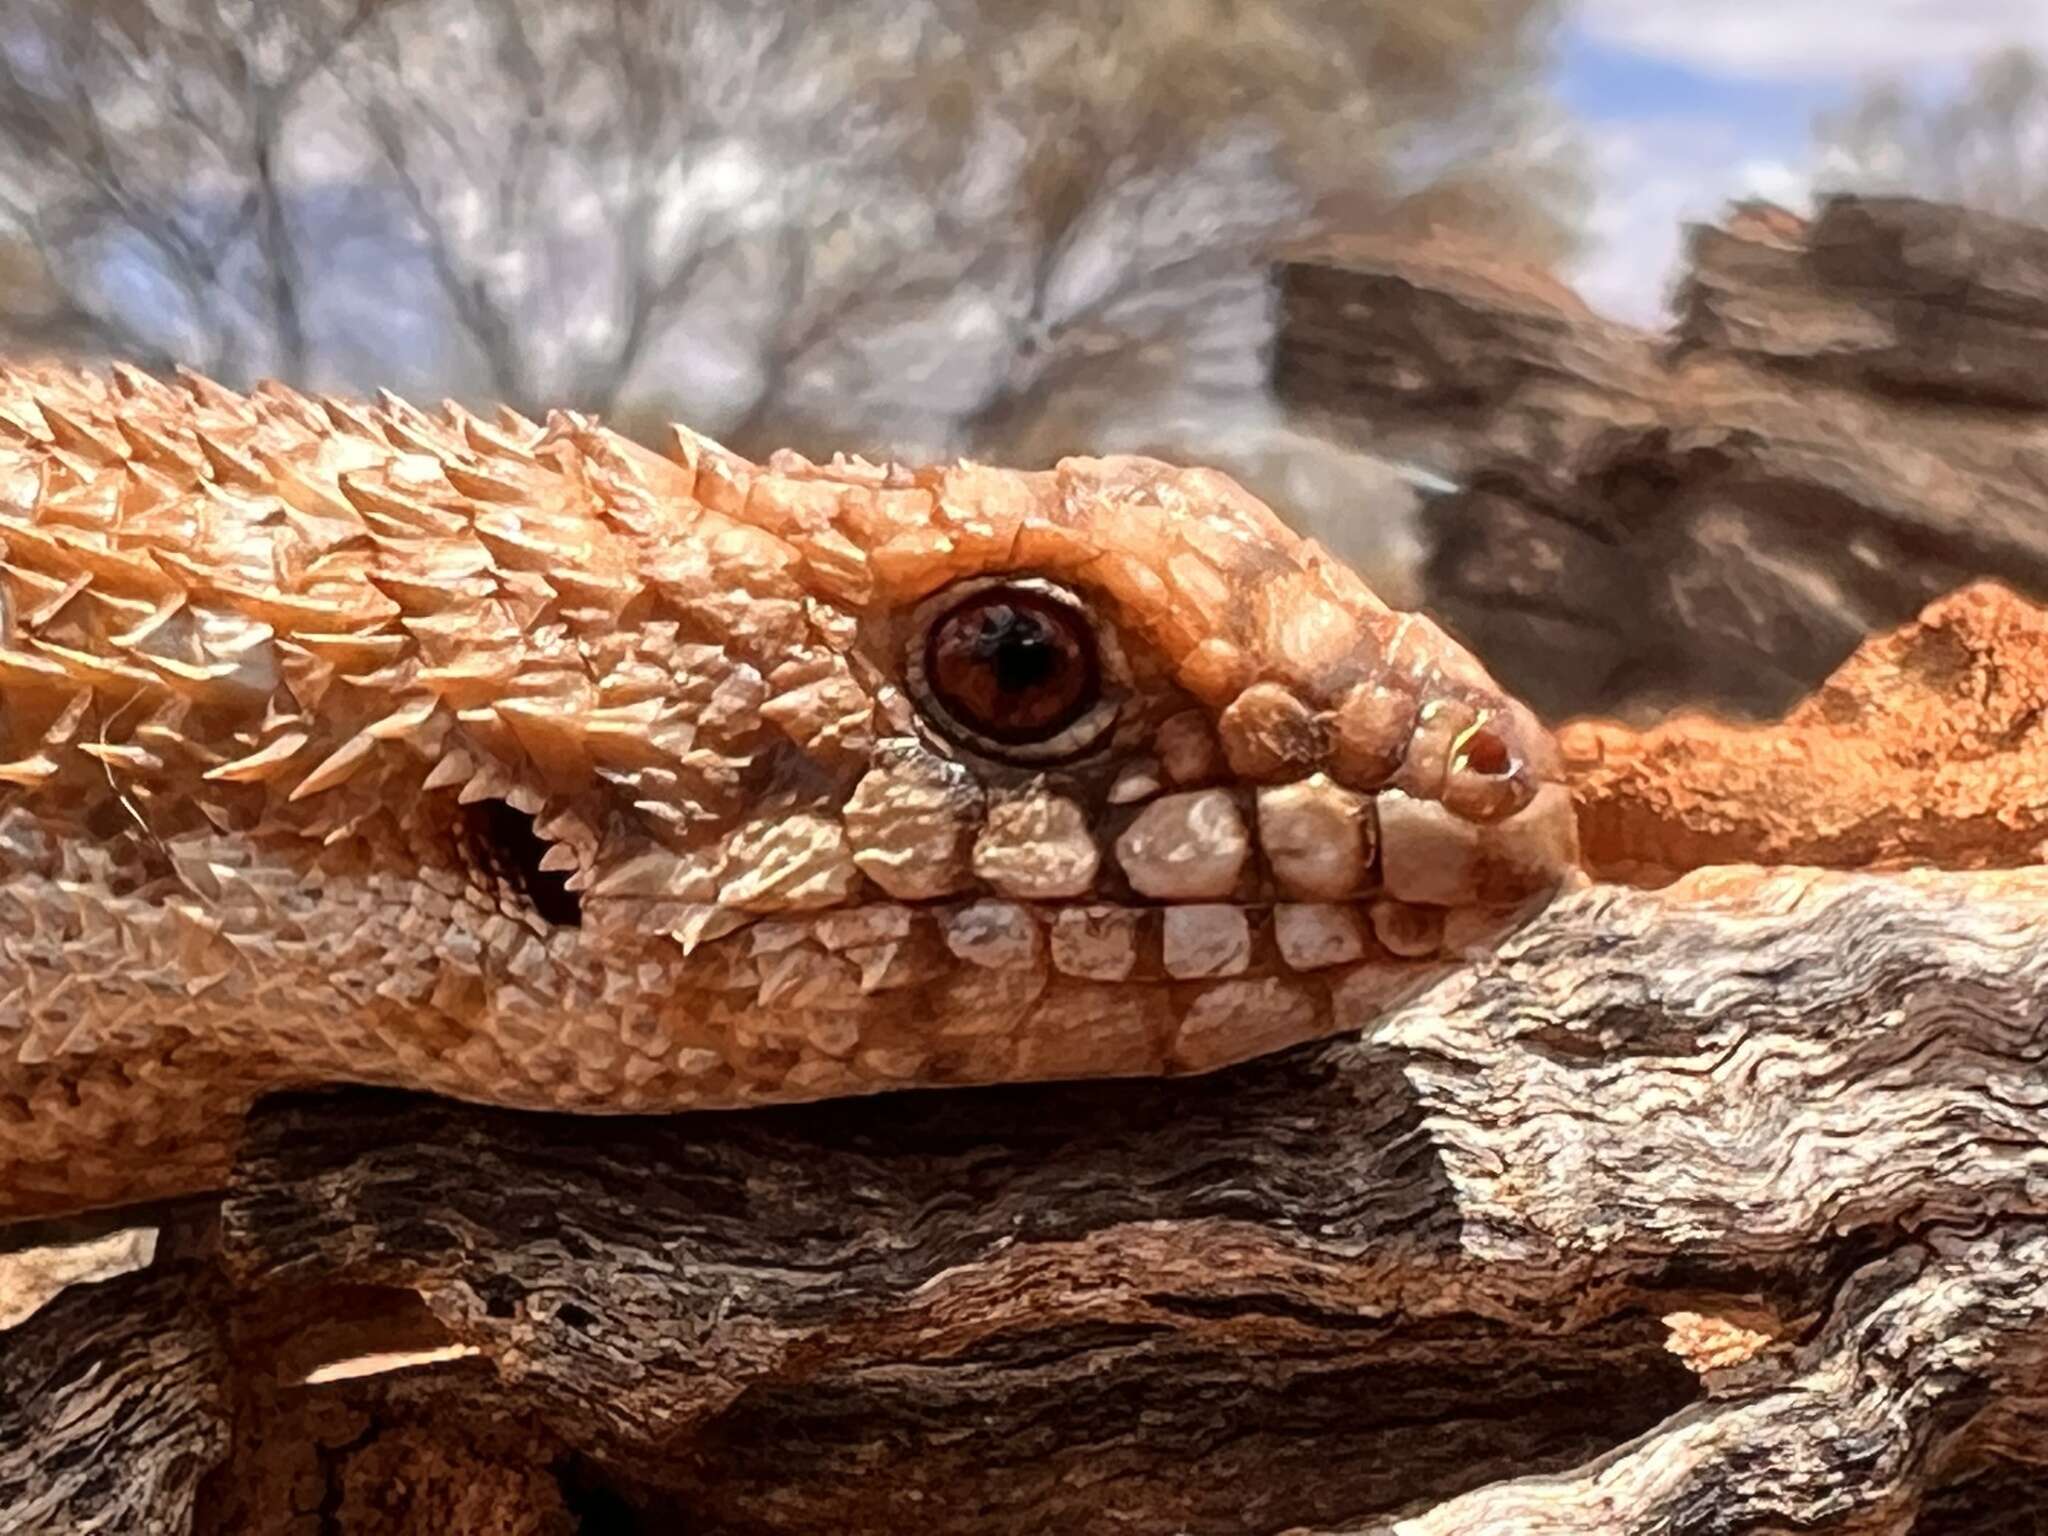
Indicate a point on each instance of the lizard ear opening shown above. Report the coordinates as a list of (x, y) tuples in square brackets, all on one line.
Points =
[(504, 845)]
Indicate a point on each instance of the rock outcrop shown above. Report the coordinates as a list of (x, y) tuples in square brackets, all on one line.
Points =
[(1896, 295), (1847, 421), (1928, 746), (1449, 357)]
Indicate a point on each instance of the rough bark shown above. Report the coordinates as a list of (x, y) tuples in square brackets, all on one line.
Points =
[(113, 1407), (1786, 1127)]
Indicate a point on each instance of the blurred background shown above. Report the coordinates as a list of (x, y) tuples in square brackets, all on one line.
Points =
[(971, 226), (934, 227)]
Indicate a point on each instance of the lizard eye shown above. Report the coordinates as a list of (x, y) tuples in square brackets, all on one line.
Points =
[(1013, 669)]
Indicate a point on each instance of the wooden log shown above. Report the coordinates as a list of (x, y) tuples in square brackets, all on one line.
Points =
[(1712, 1207), (113, 1407)]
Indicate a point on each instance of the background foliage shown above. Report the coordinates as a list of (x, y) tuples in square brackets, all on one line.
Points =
[(931, 227)]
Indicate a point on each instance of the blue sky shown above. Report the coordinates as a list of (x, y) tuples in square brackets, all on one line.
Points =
[(1603, 81), (1685, 104)]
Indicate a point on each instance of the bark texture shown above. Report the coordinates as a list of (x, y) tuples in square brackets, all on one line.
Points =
[(1716, 1207), (113, 1407), (1711, 1207)]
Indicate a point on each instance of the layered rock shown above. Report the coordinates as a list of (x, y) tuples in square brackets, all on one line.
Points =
[(1846, 422), (1891, 293), (1451, 355)]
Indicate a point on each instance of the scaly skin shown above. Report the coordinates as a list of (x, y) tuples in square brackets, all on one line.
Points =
[(298, 693)]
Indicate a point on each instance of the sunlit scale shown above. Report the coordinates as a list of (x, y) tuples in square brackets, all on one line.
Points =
[(519, 762)]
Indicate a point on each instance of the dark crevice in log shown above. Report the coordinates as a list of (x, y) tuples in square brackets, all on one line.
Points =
[(1997, 1500), (1178, 1438), (440, 1452), (597, 1504), (297, 1333), (186, 1213)]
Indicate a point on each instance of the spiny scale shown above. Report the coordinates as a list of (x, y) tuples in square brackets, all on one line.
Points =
[(345, 742)]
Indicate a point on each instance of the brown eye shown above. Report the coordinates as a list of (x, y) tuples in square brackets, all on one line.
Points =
[(1015, 668), (1013, 665)]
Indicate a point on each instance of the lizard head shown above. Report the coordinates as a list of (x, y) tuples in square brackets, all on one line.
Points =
[(525, 763), (865, 775)]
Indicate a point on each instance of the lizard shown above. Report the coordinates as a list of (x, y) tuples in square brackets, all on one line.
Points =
[(348, 742)]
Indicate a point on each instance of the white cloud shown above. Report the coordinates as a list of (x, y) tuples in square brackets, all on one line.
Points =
[(1814, 40), (1775, 181), (1654, 176)]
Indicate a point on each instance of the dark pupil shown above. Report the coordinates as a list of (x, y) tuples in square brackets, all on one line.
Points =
[(1018, 648)]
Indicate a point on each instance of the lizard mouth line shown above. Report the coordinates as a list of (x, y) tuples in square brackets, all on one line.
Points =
[(882, 946)]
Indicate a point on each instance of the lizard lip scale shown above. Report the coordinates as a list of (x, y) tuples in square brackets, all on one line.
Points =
[(518, 762)]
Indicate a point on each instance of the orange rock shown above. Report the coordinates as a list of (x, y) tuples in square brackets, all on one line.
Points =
[(1929, 745)]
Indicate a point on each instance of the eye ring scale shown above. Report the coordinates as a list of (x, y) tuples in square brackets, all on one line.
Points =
[(1013, 668)]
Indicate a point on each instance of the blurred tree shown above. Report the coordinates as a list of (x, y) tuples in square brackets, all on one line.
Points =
[(1985, 146), (999, 227)]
